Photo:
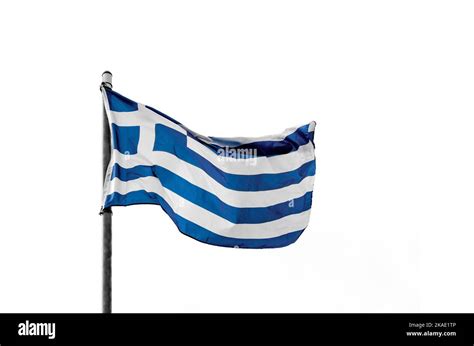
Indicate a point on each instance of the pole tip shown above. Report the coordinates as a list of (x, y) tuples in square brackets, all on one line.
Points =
[(107, 79)]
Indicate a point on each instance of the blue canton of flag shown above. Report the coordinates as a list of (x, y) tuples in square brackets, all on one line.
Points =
[(234, 192)]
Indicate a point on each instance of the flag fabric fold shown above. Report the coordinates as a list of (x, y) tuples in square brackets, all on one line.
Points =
[(233, 192)]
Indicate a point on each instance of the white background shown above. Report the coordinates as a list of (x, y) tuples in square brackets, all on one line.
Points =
[(390, 84)]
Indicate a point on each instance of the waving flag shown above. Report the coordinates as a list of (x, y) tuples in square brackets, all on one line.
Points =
[(234, 192)]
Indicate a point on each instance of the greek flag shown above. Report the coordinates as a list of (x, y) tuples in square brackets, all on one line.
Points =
[(233, 192)]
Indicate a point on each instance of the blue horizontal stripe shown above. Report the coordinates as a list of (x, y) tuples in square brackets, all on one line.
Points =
[(119, 103), (174, 142), (195, 231), (211, 202), (290, 143)]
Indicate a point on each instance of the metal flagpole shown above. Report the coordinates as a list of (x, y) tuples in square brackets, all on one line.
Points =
[(107, 212)]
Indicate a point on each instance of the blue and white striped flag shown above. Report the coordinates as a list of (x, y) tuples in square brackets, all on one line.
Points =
[(235, 192)]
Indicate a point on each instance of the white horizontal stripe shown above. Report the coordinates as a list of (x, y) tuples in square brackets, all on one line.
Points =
[(256, 165), (213, 222), (200, 178)]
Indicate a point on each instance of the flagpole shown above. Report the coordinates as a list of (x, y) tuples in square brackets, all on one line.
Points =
[(107, 212)]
